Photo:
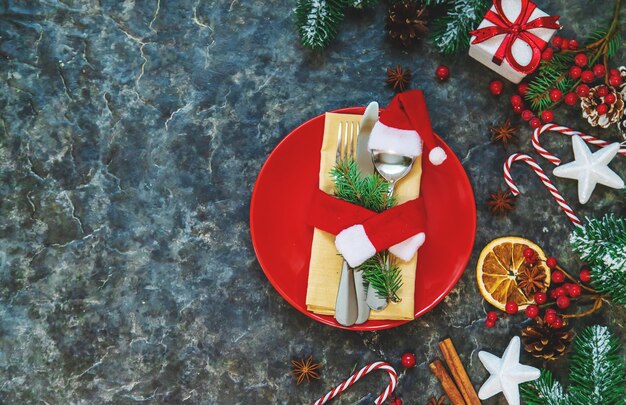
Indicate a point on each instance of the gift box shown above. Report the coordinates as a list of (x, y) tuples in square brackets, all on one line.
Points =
[(511, 38)]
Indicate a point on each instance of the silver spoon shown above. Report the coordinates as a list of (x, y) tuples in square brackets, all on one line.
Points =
[(392, 167)]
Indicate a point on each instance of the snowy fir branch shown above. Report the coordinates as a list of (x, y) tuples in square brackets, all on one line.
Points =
[(451, 32), (602, 244), (317, 21), (596, 374)]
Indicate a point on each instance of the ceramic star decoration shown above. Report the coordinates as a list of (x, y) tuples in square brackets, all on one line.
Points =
[(590, 168), (506, 373)]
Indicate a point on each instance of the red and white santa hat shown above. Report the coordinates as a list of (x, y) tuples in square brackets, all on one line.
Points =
[(404, 127)]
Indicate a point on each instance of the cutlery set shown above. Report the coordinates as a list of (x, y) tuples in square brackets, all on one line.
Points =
[(354, 299)]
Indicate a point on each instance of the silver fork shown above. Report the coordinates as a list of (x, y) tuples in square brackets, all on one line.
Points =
[(347, 305)]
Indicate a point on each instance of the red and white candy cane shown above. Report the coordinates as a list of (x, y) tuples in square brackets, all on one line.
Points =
[(546, 181), (379, 365), (566, 131)]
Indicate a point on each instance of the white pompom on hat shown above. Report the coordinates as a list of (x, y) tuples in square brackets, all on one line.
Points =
[(404, 127)]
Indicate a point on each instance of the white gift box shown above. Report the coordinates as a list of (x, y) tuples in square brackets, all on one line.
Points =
[(522, 51)]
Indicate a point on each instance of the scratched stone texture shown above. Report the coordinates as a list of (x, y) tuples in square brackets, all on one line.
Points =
[(131, 135)]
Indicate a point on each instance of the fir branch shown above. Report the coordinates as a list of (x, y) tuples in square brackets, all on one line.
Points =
[(451, 32), (317, 21), (544, 391), (369, 191), (383, 275), (361, 4), (596, 370), (552, 74), (602, 243)]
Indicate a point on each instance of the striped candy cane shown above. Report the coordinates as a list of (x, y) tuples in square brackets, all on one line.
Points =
[(379, 365), (566, 131), (546, 181)]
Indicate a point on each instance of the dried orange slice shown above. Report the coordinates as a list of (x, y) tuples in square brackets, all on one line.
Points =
[(503, 275)]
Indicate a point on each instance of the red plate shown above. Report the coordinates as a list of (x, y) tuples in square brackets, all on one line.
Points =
[(282, 240)]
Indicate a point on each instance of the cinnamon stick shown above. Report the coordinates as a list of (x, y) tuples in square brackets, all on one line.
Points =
[(439, 370), (458, 372)]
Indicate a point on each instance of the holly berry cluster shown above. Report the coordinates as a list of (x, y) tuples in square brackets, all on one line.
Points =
[(560, 294), (583, 72)]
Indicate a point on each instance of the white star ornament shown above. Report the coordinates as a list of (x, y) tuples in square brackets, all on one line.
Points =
[(506, 373), (590, 168)]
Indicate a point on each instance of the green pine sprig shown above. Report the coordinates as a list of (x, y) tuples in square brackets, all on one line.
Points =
[(371, 192), (602, 244), (451, 32), (597, 369), (317, 21), (551, 74), (596, 376), (544, 391)]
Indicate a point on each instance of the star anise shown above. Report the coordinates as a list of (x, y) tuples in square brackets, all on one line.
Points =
[(434, 401), (305, 370), (503, 133), (501, 202), (398, 78), (531, 279)]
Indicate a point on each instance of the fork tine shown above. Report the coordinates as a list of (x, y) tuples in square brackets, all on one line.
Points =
[(346, 133), (338, 153)]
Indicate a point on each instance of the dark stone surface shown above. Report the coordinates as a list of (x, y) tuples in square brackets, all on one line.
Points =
[(131, 134)]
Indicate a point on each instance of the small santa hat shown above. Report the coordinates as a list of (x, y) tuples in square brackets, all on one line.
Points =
[(404, 127)]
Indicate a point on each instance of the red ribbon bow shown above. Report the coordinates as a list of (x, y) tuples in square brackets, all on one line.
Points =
[(515, 30)]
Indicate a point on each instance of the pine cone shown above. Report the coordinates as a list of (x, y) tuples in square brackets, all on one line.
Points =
[(622, 92), (406, 22), (542, 341), (590, 104)]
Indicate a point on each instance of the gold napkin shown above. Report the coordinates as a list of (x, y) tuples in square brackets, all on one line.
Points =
[(325, 264)]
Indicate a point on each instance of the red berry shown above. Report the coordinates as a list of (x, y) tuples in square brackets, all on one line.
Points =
[(614, 72), (442, 72), (547, 54), (551, 311), (572, 44), (534, 123), (555, 94), (511, 308), (522, 88), (527, 115), (408, 360), (490, 324), (553, 295), (549, 317), (581, 60), (560, 291), (492, 316), (582, 90), (602, 91), (571, 98), (495, 87), (557, 276), (551, 262), (532, 260), (397, 401), (562, 302), (585, 275), (557, 42), (532, 311), (587, 76), (575, 291), (558, 323), (528, 252), (599, 70), (518, 109), (610, 98), (575, 72), (541, 297), (516, 99), (547, 116), (602, 109), (567, 287), (616, 80)]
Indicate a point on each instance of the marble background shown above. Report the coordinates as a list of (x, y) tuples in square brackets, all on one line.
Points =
[(131, 135)]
